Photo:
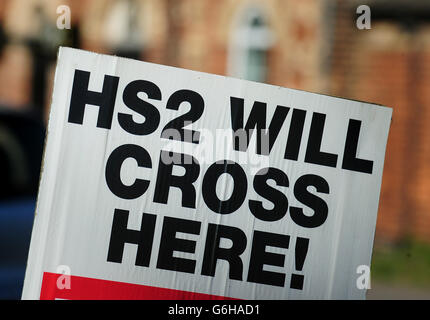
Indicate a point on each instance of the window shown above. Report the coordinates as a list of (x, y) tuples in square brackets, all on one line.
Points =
[(250, 41), (122, 29)]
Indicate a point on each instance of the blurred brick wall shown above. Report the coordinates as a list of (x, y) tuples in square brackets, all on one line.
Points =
[(390, 65)]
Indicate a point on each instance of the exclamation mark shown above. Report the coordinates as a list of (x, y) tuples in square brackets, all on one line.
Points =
[(302, 245)]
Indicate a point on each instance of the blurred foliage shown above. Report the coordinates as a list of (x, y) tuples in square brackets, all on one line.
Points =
[(406, 263)]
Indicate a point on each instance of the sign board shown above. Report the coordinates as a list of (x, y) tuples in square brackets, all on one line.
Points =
[(164, 183)]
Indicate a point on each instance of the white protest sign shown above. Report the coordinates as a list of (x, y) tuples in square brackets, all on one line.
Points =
[(164, 183)]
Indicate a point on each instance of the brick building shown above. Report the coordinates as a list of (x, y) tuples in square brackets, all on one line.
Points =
[(312, 45)]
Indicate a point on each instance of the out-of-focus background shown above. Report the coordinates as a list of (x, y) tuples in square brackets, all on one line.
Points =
[(312, 45)]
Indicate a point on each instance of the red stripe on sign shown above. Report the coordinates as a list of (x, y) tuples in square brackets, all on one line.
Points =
[(82, 288)]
